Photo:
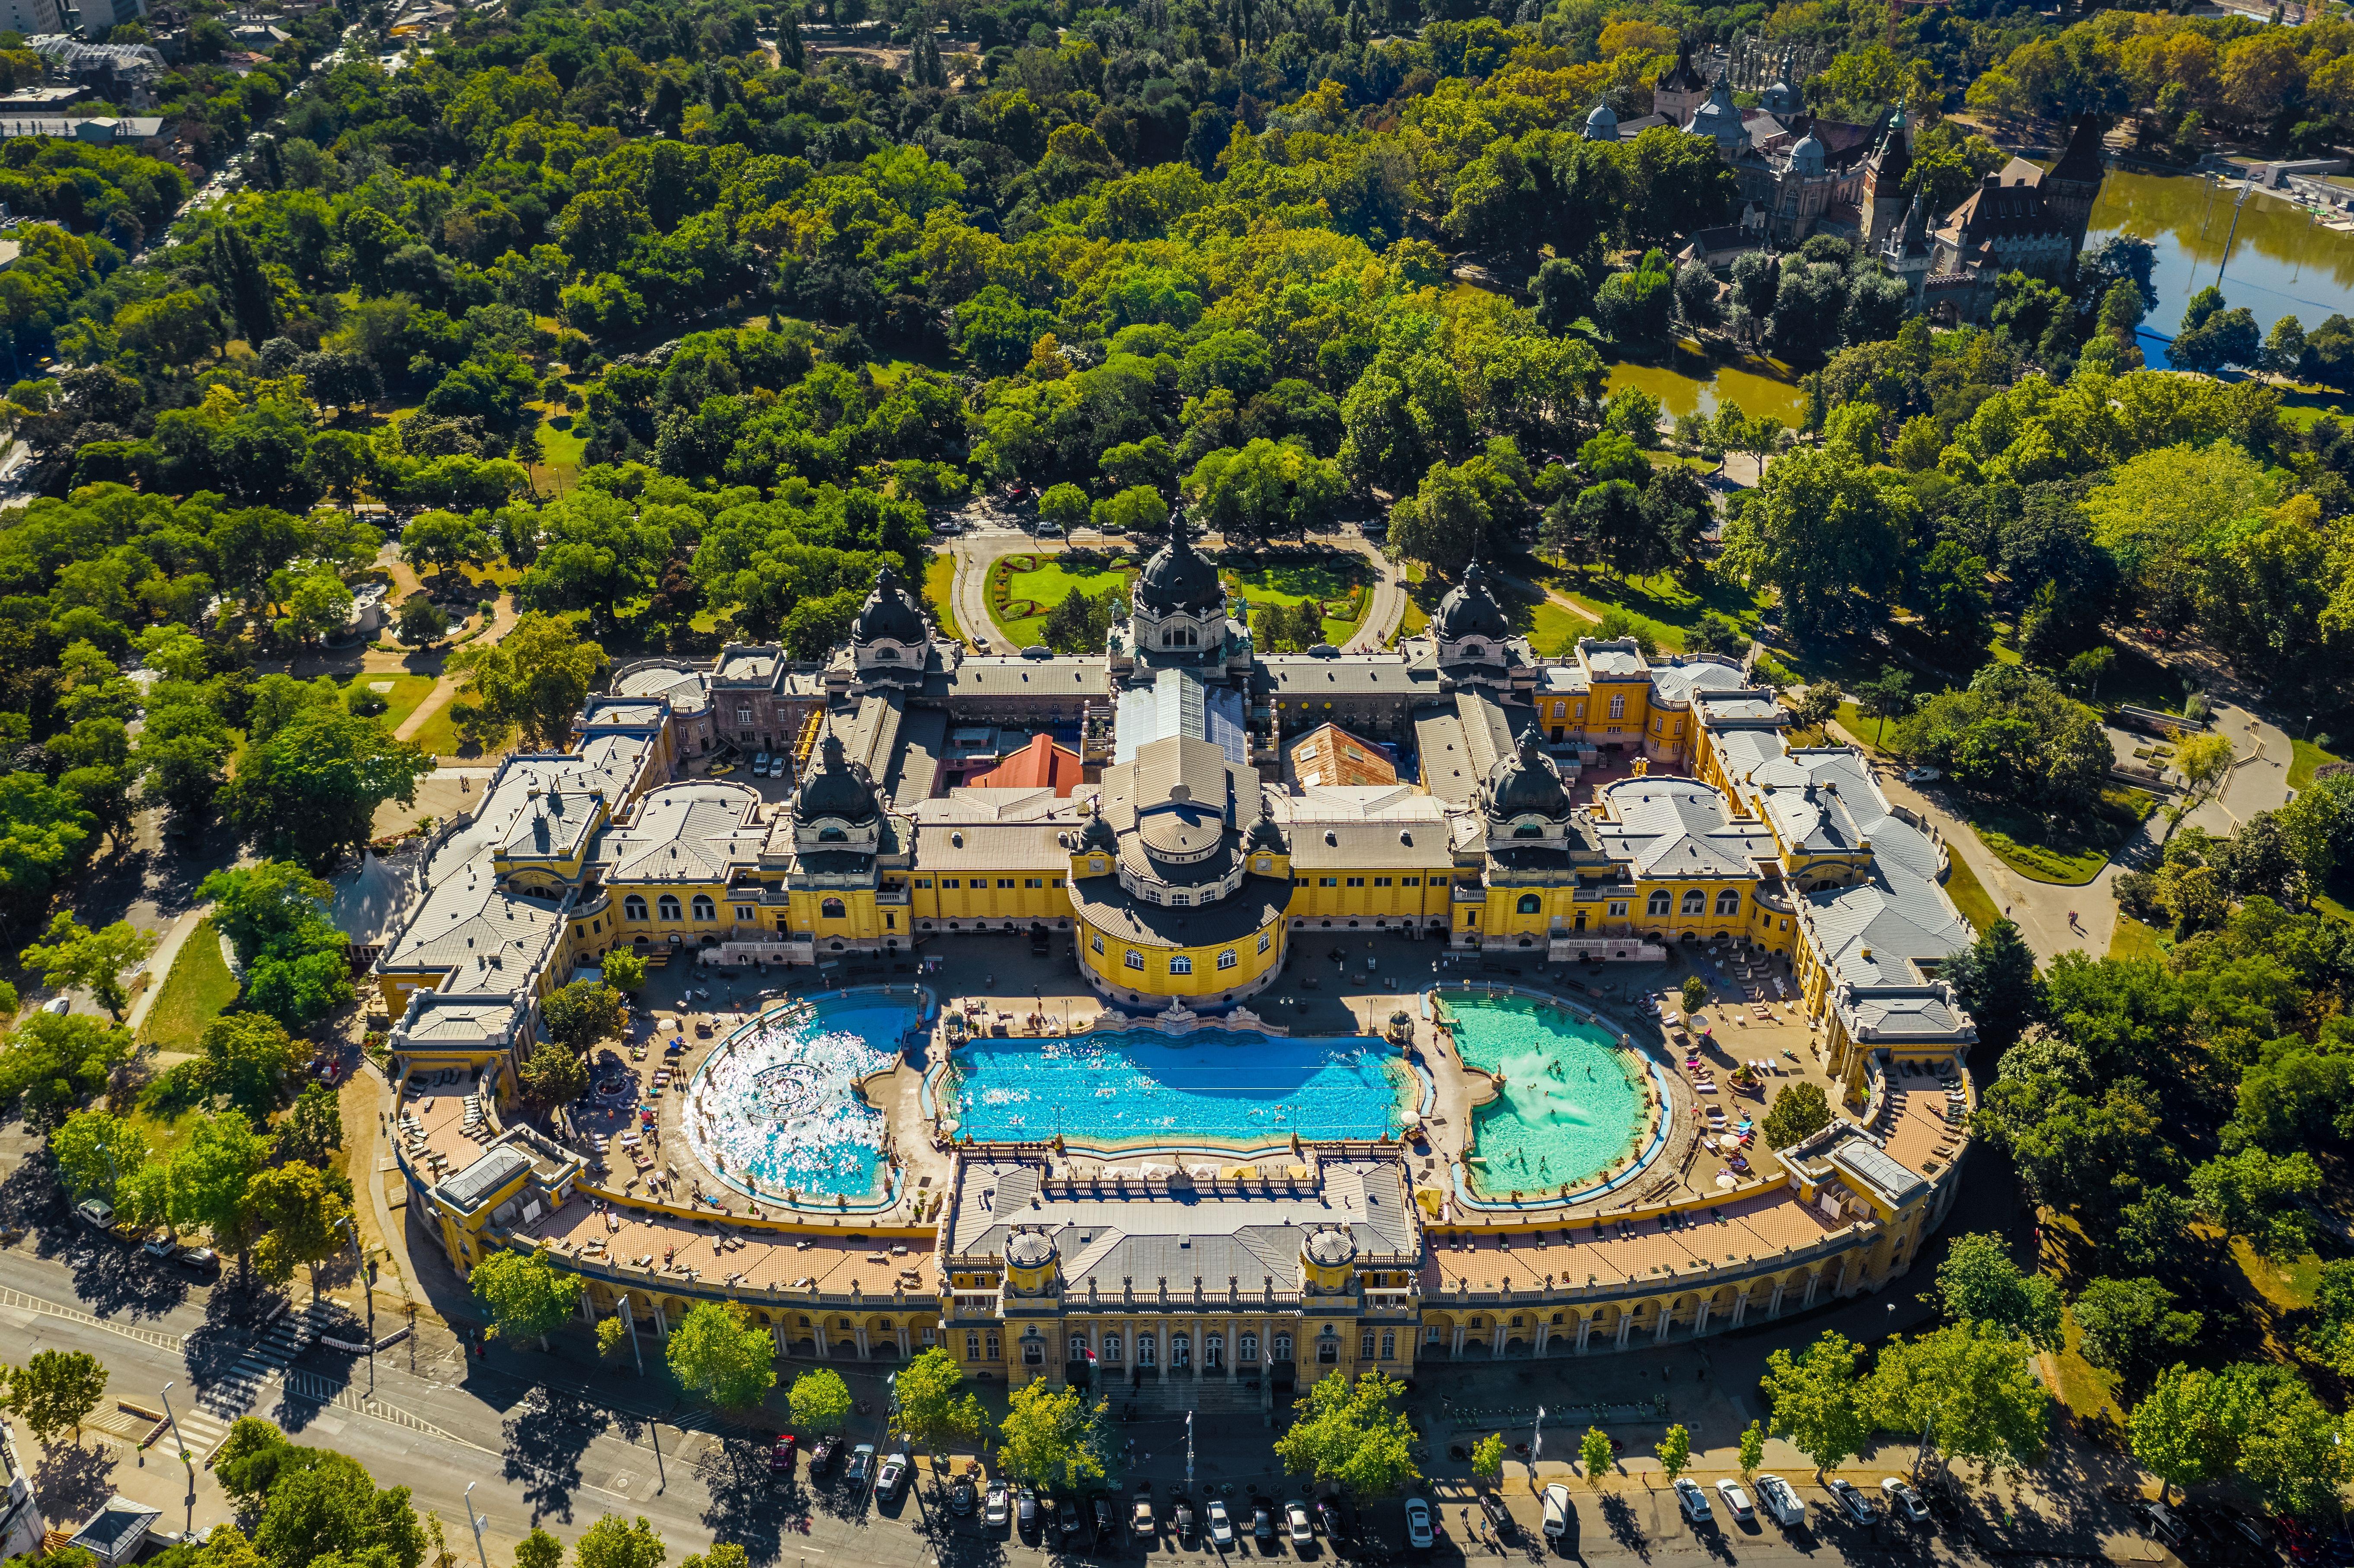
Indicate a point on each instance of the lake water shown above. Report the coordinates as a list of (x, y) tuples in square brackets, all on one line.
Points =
[(2281, 262), (1690, 383)]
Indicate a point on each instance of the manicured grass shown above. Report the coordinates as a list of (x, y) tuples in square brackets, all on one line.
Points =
[(2132, 939), (408, 691), (1046, 582), (1554, 632), (2289, 1286), (2087, 1391), (1342, 584), (2307, 757), (562, 446), (438, 735), (1867, 730), (1969, 895), (195, 990), (939, 593), (2072, 855), (1672, 606)]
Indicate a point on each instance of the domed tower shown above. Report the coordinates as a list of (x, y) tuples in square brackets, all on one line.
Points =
[(1719, 117), (1472, 631), (1808, 157), (1029, 1265), (836, 807), (1328, 1259), (1602, 124), (1181, 606), (1523, 797), (889, 640), (1096, 852)]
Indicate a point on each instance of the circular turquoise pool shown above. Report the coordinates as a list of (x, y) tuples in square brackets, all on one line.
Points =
[(1572, 1102)]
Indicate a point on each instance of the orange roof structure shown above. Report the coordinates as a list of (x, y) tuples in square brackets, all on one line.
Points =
[(1331, 755), (1037, 766)]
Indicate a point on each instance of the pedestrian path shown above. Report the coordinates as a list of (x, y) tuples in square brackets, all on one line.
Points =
[(289, 1335), (202, 1431)]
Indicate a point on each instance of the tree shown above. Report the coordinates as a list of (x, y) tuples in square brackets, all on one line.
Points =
[(539, 1550), (1972, 1386), (310, 791), (615, 1542), (325, 1505), (248, 1058), (298, 1212), (1064, 505), (1352, 1434), (1694, 994), (1995, 977), (2130, 1327), (1051, 1437), (312, 1128), (2293, 1454), (250, 1461), (820, 1400), (2261, 1196), (625, 971), (442, 540), (1824, 534), (297, 963), (420, 622), (2213, 337), (208, 1184), (1593, 1452), (55, 1391), (1978, 1282), (1675, 1452), (95, 1150), (1888, 697), (1753, 1448), (535, 677), (720, 1355), (53, 1060), (71, 954), (1950, 588), (1487, 1459), (2185, 1431), (1815, 707), (553, 1075), (1800, 1110), (928, 1407), (581, 1016), (524, 1296), (1817, 1399), (2205, 760)]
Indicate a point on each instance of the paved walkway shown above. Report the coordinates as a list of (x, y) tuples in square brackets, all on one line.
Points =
[(159, 966), (2259, 780), (446, 689)]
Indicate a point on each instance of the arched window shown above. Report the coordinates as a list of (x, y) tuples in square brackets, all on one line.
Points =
[(831, 909), (634, 907), (1227, 959), (1662, 901), (1249, 1349), (1213, 1351), (703, 907), (1135, 960), (1181, 965), (886, 655), (832, 836), (1145, 1350), (1529, 831), (1531, 904), (1180, 1351), (1111, 1347), (1473, 650), (1695, 901), (1729, 900), (669, 906), (1327, 1346), (1280, 1348), (1078, 1347)]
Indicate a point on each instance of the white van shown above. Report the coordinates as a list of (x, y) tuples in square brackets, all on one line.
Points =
[(1556, 1511), (1781, 1501)]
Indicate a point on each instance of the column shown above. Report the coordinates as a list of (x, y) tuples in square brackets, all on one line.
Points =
[(1584, 1331), (1740, 1306), (903, 1340), (1626, 1326), (1544, 1332), (1774, 1308), (1846, 1258), (859, 1335), (1700, 1317), (1461, 1332), (1667, 1321), (777, 1333), (824, 1348), (1813, 1281), (1496, 1341), (661, 1319), (589, 1308)]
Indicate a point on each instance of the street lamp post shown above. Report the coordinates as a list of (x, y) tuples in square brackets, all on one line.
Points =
[(186, 1460), (367, 1290), (477, 1520)]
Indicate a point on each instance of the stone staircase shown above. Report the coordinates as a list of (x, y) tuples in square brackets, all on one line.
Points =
[(1169, 1395)]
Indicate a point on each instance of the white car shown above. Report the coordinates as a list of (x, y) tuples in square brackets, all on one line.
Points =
[(1693, 1501), (1852, 1504), (1295, 1518), (1222, 1526), (1736, 1502), (1903, 1500), (1417, 1524), (1922, 774), (1780, 1500), (997, 1510), (760, 765), (1557, 1510)]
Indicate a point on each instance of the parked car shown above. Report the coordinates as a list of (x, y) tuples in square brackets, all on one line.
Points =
[(1141, 1521), (96, 1213), (1903, 1500), (1297, 1525), (862, 1465), (1852, 1504), (1418, 1533), (1106, 1523), (1693, 1501), (1263, 1523), (1184, 1516), (1049, 529), (1067, 1517), (781, 1454), (201, 1261), (1558, 1511), (760, 765), (997, 1508), (1025, 1512), (1922, 774), (160, 1246), (891, 1477), (963, 1498), (1736, 1502), (1328, 1519), (1500, 1517), (822, 1457), (1221, 1525), (1780, 1500)]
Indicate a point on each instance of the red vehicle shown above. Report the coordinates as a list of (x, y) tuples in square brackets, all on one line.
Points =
[(780, 1458), (331, 1072)]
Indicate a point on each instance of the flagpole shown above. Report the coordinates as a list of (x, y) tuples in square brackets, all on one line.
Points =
[(1188, 1450), (1536, 1443)]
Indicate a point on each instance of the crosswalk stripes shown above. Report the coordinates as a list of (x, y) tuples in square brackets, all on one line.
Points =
[(288, 1336), (201, 1430), (155, 1337)]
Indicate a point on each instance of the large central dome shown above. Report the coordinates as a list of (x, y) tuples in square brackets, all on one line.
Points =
[(836, 790), (1179, 577)]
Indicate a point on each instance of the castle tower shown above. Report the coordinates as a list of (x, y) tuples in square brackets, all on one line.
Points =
[(1910, 253), (1681, 91), (1883, 184), (2073, 185)]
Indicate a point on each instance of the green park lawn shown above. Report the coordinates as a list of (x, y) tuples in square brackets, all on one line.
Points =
[(195, 990), (562, 445), (2072, 853), (939, 593), (1554, 632), (1670, 607), (1332, 585), (2307, 756), (407, 692), (1969, 895), (1034, 585), (2132, 939)]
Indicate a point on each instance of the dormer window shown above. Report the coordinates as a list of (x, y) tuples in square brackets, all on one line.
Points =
[(886, 655), (832, 836)]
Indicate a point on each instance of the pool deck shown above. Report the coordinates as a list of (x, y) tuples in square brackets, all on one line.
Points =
[(998, 975)]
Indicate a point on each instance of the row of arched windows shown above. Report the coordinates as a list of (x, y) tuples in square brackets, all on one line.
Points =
[(634, 907), (1695, 902)]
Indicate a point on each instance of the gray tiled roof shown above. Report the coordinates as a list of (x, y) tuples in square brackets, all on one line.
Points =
[(1058, 680), (1672, 827), (1873, 933), (1878, 1170), (1210, 1229), (494, 939), (470, 1187), (701, 831)]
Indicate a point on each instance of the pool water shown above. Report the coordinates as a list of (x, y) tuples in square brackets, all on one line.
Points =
[(777, 1106), (1224, 1087), (1571, 1100)]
